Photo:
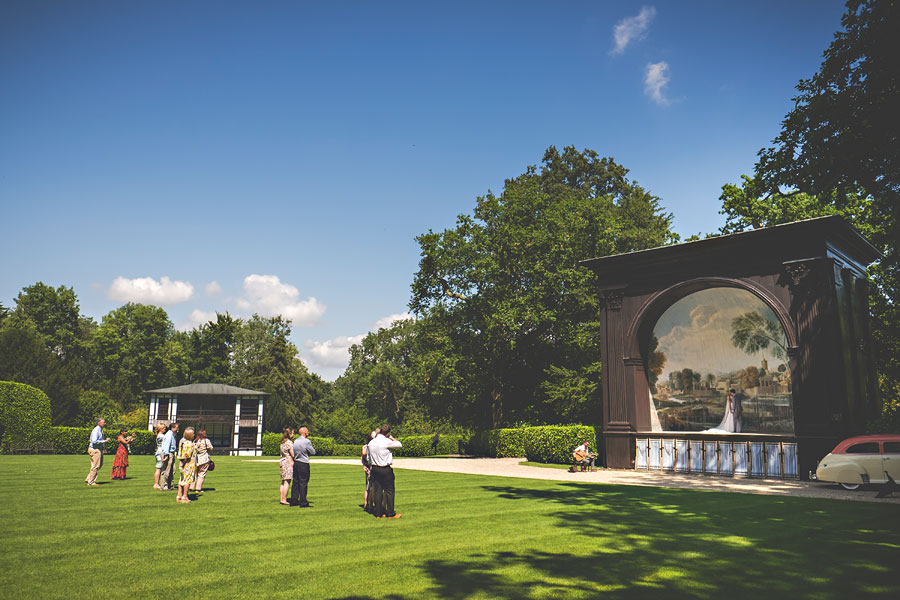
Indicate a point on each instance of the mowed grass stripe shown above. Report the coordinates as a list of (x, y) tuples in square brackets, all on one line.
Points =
[(460, 537)]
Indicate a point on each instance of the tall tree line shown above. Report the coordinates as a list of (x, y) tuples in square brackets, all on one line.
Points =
[(90, 370)]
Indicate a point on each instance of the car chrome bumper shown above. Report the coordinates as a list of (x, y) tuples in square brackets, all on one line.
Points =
[(812, 476)]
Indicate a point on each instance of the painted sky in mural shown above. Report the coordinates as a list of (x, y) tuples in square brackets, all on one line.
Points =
[(696, 332)]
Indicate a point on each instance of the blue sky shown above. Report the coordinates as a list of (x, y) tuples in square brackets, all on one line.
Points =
[(280, 157)]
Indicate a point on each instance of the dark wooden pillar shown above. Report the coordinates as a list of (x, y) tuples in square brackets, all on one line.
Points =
[(618, 426)]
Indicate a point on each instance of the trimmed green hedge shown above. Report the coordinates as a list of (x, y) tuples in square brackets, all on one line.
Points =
[(498, 443), (24, 417), (271, 442), (420, 445), (555, 443), (74, 440), (348, 450)]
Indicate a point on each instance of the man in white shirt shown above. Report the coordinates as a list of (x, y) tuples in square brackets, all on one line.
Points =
[(95, 451), (584, 457), (380, 460)]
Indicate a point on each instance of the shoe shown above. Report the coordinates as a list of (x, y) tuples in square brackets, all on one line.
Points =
[(93, 484), (199, 492), (156, 487), (285, 503), (397, 516), (307, 505)]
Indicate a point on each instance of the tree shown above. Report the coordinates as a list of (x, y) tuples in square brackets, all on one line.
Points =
[(136, 349), (56, 315), (210, 347), (507, 283), (265, 360), (752, 333), (841, 144)]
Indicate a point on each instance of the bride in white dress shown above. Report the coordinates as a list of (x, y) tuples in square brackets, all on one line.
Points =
[(730, 423)]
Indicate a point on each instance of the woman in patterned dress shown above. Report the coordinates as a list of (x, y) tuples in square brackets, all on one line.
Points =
[(160, 431), (287, 463), (187, 454), (120, 464)]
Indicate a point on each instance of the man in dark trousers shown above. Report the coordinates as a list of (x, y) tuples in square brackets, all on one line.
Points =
[(380, 459), (303, 449)]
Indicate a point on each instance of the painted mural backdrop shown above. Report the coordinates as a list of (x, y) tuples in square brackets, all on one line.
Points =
[(708, 343)]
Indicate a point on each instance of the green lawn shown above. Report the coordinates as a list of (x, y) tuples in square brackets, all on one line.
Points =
[(460, 537)]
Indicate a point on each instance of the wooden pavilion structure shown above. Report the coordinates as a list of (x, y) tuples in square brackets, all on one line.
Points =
[(232, 416)]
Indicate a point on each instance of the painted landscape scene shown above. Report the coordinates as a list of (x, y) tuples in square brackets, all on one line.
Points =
[(708, 343)]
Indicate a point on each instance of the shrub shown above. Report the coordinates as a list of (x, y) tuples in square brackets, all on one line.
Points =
[(498, 443), (24, 417), (420, 445), (272, 441), (347, 450), (554, 443), (74, 440)]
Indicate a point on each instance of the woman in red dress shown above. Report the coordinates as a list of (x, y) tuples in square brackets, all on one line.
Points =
[(120, 464)]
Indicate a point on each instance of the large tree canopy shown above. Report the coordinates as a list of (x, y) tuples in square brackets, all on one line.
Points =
[(508, 284), (838, 152)]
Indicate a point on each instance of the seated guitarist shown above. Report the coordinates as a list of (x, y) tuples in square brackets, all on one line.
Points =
[(584, 458)]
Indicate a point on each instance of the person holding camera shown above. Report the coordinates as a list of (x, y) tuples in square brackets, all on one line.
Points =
[(380, 460), (303, 449)]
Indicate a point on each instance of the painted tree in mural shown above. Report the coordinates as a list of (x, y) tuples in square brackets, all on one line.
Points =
[(752, 333)]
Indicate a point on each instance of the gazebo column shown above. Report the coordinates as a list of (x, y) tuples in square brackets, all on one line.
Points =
[(237, 423), (259, 425), (173, 409), (154, 406)]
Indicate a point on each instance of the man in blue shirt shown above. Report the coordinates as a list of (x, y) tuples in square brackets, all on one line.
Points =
[(95, 451), (303, 449), (167, 451)]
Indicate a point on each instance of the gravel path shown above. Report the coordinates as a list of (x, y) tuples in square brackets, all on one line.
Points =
[(510, 467)]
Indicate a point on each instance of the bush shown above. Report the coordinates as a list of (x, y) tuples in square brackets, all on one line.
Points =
[(420, 445), (74, 440), (272, 441), (554, 443), (498, 443), (348, 450), (24, 417)]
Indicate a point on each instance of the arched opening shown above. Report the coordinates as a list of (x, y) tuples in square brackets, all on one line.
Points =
[(701, 341)]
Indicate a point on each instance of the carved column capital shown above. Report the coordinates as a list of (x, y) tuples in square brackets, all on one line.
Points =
[(613, 299)]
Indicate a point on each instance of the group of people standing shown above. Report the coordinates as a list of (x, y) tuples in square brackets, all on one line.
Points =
[(295, 466), (377, 459), (378, 498), (97, 445), (194, 460), (193, 456)]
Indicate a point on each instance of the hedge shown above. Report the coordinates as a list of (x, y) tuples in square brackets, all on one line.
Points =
[(24, 417), (74, 440), (272, 441), (348, 450), (420, 445), (498, 443), (555, 443)]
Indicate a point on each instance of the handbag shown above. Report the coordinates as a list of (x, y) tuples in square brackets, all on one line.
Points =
[(212, 465)]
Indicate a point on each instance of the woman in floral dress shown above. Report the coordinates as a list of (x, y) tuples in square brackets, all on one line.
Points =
[(120, 464), (287, 463), (187, 454)]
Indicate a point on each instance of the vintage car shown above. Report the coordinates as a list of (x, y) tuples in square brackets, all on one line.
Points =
[(860, 460)]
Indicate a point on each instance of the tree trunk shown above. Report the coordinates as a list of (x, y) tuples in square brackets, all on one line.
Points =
[(496, 407)]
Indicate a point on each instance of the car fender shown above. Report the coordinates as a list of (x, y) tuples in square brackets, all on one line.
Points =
[(839, 471)]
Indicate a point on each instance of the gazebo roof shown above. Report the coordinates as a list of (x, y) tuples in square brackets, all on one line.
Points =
[(206, 389)]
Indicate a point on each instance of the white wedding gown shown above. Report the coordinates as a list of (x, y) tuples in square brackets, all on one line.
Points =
[(727, 424)]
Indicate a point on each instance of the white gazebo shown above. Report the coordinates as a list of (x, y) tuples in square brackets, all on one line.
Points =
[(231, 416)]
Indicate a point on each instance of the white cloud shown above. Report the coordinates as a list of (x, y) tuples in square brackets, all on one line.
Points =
[(386, 322), (213, 288), (333, 353), (332, 356), (268, 296), (655, 81), (632, 28), (196, 318), (149, 291)]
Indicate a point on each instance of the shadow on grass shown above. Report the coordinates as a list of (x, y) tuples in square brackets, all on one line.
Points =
[(637, 542)]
